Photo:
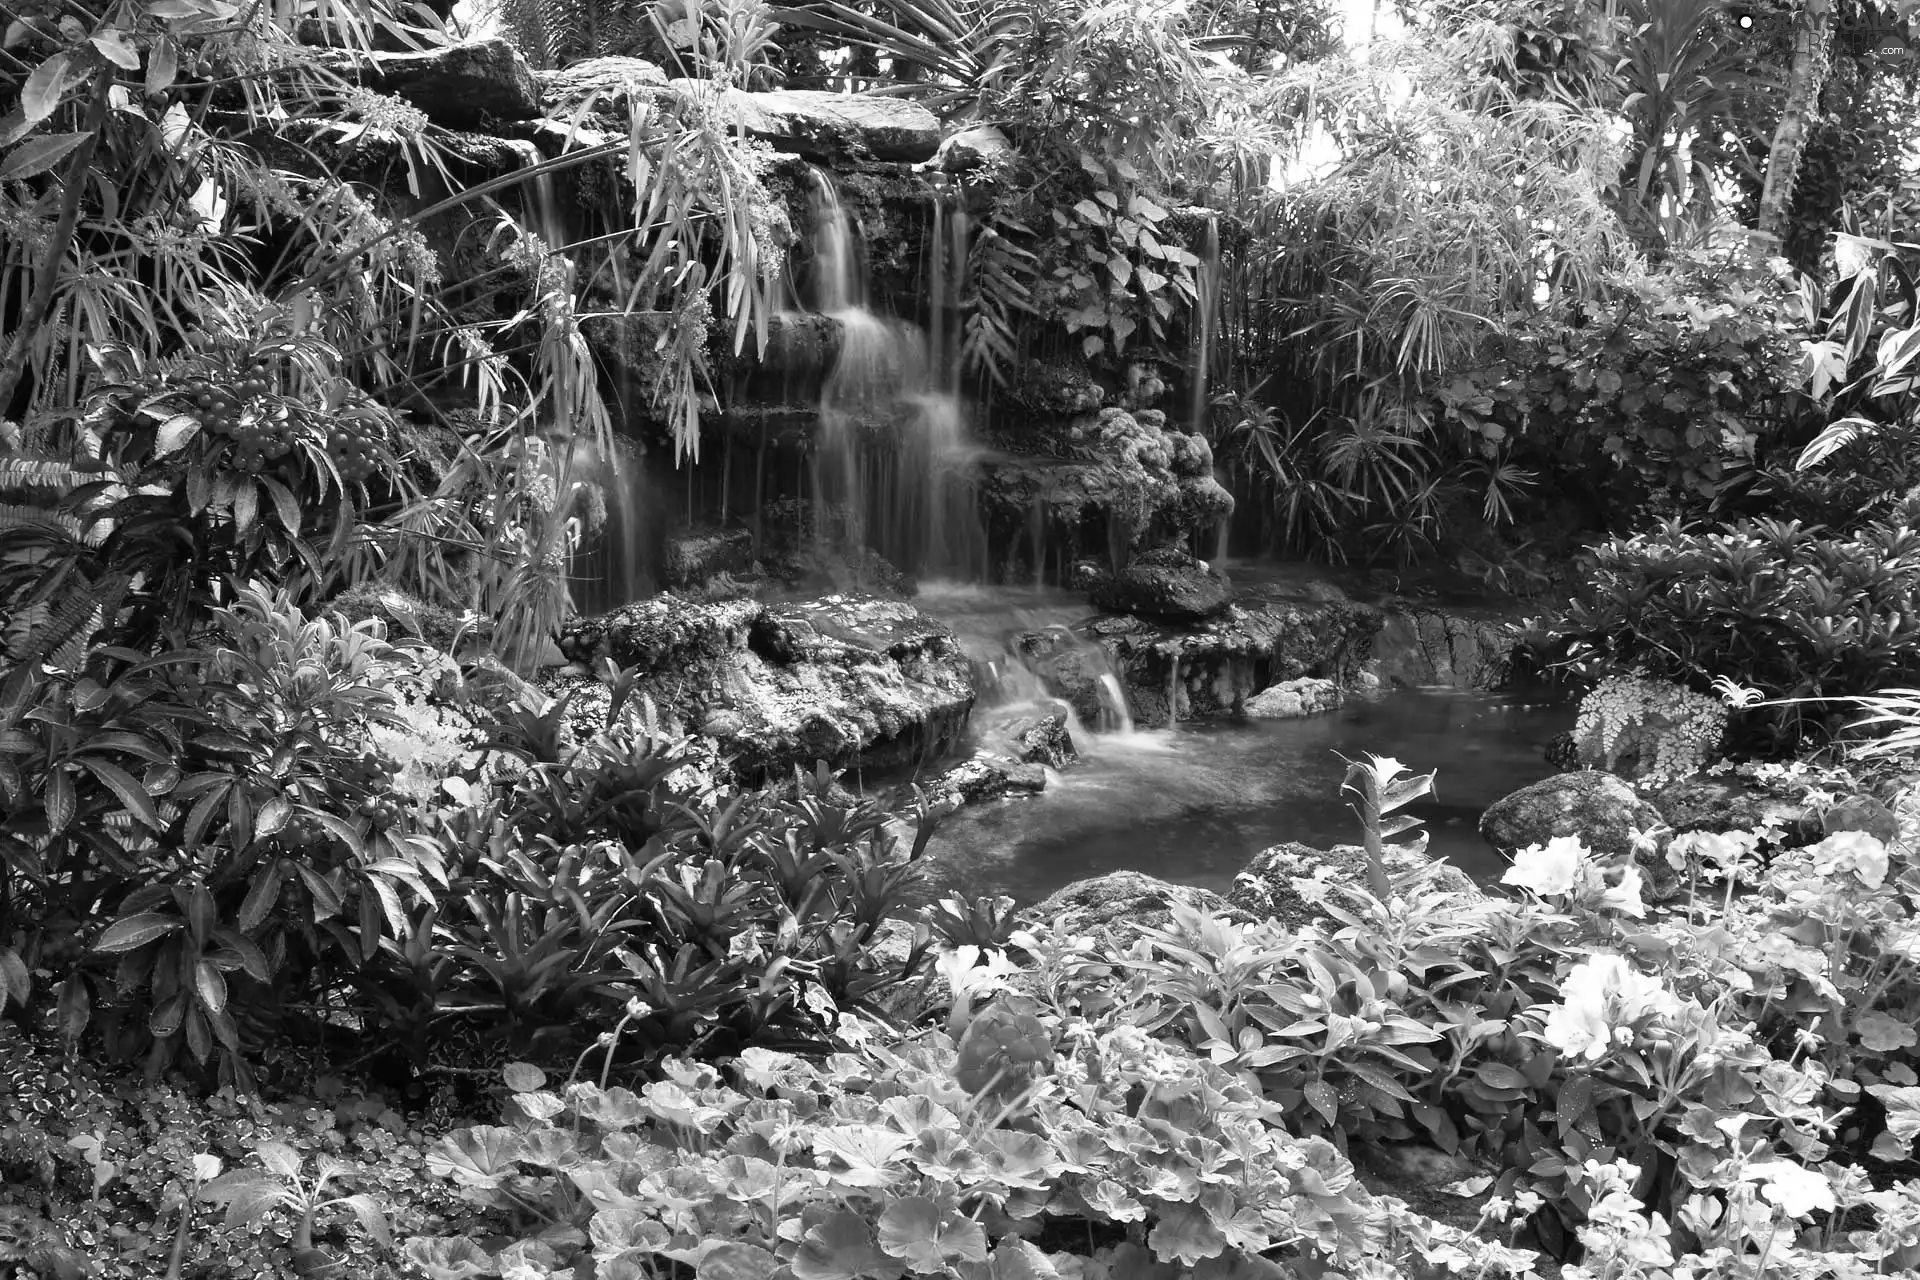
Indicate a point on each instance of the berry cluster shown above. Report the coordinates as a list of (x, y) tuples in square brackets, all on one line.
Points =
[(370, 771), (264, 437), (354, 448), (381, 811)]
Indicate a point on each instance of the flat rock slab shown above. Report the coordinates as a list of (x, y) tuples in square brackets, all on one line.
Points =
[(806, 122)]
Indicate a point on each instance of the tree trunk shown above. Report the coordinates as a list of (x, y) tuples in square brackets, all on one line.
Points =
[(1812, 59)]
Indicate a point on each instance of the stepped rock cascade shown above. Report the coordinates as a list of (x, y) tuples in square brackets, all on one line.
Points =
[(893, 462)]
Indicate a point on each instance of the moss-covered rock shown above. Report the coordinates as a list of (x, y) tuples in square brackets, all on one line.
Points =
[(1166, 584), (1265, 888), (848, 678), (1604, 812), (1115, 906)]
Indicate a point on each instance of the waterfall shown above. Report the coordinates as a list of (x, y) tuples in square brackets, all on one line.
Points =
[(1206, 312), (893, 467), (611, 563)]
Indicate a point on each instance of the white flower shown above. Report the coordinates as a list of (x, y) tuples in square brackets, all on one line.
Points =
[(1602, 995), (1548, 869), (1625, 896), (1794, 1189), (206, 1167), (1854, 851)]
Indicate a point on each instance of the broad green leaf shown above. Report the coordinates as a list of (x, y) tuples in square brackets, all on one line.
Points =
[(248, 1194), (131, 793), (736, 1261), (480, 1156), (136, 931), (16, 984), (116, 48), (927, 1238), (280, 1159), (174, 433), (449, 1257), (210, 985), (372, 1220), (41, 94), (163, 65), (39, 154), (841, 1248)]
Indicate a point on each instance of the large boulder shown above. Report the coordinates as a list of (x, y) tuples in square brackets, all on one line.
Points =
[(1264, 888), (461, 86), (1292, 699), (847, 678), (1166, 584), (1604, 812), (1115, 906)]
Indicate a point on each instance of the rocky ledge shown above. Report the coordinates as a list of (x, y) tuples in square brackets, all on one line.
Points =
[(851, 679)]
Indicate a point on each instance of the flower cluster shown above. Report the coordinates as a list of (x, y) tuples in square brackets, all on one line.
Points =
[(1564, 867), (1604, 1004)]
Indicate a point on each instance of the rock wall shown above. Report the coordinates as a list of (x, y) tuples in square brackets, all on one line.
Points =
[(1422, 645)]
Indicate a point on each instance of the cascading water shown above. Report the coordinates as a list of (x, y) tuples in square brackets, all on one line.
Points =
[(893, 462), (1206, 310)]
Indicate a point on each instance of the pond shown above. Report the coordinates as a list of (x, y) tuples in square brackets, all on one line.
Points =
[(1193, 803)]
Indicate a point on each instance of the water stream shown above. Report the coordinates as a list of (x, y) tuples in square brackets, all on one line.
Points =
[(1193, 803)]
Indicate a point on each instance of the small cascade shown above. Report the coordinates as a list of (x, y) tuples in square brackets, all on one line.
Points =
[(893, 469), (611, 564)]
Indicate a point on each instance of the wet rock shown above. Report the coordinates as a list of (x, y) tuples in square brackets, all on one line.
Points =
[(984, 776), (1291, 699), (1115, 906), (846, 678), (1421, 646), (599, 85), (1167, 584), (1264, 888), (1071, 670), (698, 556), (458, 85), (1597, 807), (1704, 802), (969, 149), (1214, 667), (1104, 481), (1861, 813), (826, 126), (1042, 740)]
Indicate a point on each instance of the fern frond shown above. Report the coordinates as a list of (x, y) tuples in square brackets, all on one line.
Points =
[(40, 475), (39, 519)]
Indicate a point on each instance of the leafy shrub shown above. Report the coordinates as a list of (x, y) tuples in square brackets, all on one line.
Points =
[(213, 826), (1556, 1033), (881, 1162), (1771, 605), (1678, 381)]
